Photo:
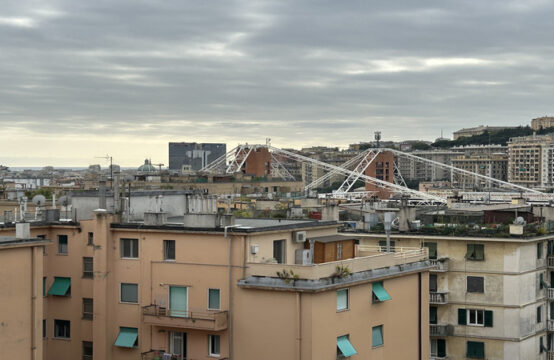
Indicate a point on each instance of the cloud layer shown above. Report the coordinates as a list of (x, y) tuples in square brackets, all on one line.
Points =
[(83, 78)]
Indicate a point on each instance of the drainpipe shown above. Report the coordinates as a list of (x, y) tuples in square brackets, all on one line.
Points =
[(230, 285), (298, 326)]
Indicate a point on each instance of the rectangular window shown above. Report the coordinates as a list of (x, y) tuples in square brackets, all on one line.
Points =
[(475, 350), (129, 293), (383, 245), (539, 250), (539, 314), (90, 238), (87, 350), (178, 301), (129, 248), (213, 299), (279, 251), (62, 244), (475, 284), (88, 271), (169, 249), (214, 345), (62, 329), (432, 249), (475, 317), (377, 336), (475, 252), (44, 328), (438, 348), (87, 308), (342, 299), (433, 282), (339, 251), (432, 315)]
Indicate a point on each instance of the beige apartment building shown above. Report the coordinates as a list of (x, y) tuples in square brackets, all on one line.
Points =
[(21, 318), (531, 161), (542, 122), (488, 296), (491, 165), (201, 287)]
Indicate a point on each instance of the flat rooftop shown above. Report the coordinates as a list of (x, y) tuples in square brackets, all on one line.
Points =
[(12, 240)]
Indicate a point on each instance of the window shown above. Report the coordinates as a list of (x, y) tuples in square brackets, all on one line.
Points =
[(339, 251), (432, 249), (377, 336), (344, 347), (90, 238), (213, 299), (87, 308), (539, 250), (129, 248), (438, 347), (129, 293), (44, 328), (475, 317), (432, 315), (342, 299), (62, 329), (279, 251), (539, 314), (433, 282), (62, 244), (383, 245), (475, 350), (87, 350), (214, 341), (379, 293), (475, 284), (88, 267), (169, 249), (475, 252)]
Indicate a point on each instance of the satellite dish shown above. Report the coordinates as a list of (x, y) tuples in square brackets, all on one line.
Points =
[(64, 201), (520, 221), (39, 200)]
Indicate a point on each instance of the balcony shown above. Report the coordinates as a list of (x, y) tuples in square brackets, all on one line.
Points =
[(434, 357), (550, 293), (439, 298), (439, 265), (158, 355), (199, 320), (550, 261), (440, 330), (550, 326), (370, 258)]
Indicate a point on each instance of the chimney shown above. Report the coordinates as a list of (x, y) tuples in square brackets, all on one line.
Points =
[(102, 194), (22, 230)]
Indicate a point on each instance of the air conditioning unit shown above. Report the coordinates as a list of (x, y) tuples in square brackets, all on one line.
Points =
[(299, 236), (302, 257)]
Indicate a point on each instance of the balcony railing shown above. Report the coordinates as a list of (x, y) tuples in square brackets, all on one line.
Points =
[(438, 298), (550, 325), (370, 258), (158, 355), (550, 293), (435, 357), (440, 330), (439, 265), (551, 261), (550, 355), (201, 320)]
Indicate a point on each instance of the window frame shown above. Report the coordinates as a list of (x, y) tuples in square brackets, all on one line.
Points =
[(83, 347), (56, 326), (475, 277), (90, 238), (347, 307), (539, 314), (219, 298), (382, 336), (88, 274), (473, 256), (131, 249), (211, 338), (88, 315), (165, 250), (476, 312), (121, 293), (60, 236)]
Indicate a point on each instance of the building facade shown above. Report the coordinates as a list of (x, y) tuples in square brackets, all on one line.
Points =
[(531, 161), (194, 156), (493, 165), (542, 122)]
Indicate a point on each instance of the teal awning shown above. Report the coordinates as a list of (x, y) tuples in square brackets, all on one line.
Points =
[(345, 346), (60, 286), (380, 292), (127, 337)]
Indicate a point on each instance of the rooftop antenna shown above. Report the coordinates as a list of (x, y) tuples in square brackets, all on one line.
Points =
[(39, 201), (108, 157), (378, 138), (158, 165), (65, 201)]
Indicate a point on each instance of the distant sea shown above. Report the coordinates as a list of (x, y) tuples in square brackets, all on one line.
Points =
[(21, 168)]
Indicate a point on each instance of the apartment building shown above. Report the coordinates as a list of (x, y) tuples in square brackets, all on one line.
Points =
[(382, 168), (488, 295), (478, 130), (491, 165), (21, 319), (201, 287), (542, 122), (412, 169), (531, 161)]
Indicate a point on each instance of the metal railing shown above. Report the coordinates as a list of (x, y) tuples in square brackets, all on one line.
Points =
[(435, 357), (550, 355), (550, 261), (162, 316), (439, 265), (438, 297), (440, 330), (550, 292)]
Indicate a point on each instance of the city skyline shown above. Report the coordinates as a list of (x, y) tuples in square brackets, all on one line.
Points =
[(85, 79)]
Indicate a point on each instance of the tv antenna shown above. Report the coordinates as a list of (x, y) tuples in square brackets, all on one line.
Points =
[(110, 158), (377, 137)]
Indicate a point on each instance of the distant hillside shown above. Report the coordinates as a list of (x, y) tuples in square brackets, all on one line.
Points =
[(500, 137)]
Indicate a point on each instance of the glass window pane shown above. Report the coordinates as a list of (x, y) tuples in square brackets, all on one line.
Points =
[(129, 293), (377, 336), (342, 299), (213, 299)]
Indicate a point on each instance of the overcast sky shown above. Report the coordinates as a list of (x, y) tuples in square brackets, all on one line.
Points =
[(81, 79)]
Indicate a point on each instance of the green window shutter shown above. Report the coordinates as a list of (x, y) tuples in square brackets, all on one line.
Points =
[(488, 318), (470, 251), (178, 301), (479, 252), (432, 249), (462, 319), (541, 281), (475, 350), (60, 287), (377, 336), (380, 292), (441, 348), (127, 337), (433, 315)]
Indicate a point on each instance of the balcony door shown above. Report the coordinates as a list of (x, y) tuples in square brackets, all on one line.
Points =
[(178, 344), (279, 251), (178, 301)]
